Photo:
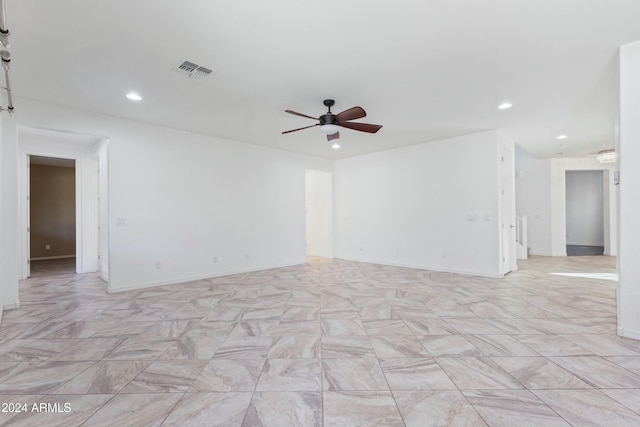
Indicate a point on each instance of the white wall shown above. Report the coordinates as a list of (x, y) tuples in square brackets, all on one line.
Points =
[(193, 206), (533, 200), (629, 202), (585, 213), (8, 213), (433, 206), (319, 213)]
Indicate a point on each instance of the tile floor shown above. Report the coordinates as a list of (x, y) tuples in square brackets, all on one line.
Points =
[(331, 343)]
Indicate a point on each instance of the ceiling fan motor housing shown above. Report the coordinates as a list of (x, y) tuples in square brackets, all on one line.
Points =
[(328, 119)]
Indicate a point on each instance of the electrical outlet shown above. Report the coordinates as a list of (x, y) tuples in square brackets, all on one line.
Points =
[(215, 259), (157, 265), (47, 247)]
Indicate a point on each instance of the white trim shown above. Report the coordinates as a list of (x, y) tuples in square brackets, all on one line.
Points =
[(629, 333), (422, 267), (194, 278), (12, 306)]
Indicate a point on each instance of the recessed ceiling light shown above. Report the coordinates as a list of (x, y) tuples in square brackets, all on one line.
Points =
[(134, 96), (335, 146), (562, 137), (505, 106)]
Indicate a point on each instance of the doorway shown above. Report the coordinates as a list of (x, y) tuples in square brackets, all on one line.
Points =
[(89, 156), (52, 216), (585, 223), (319, 213)]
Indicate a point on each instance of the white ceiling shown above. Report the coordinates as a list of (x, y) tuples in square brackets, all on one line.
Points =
[(425, 69)]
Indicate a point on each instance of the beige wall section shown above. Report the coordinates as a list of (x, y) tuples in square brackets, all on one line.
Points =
[(53, 212)]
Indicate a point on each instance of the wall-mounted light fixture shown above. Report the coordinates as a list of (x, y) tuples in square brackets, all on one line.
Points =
[(607, 156)]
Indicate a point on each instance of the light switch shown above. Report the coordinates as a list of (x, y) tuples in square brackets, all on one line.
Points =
[(121, 222)]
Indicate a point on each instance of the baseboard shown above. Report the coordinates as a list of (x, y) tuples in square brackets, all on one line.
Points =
[(42, 258), (422, 267), (629, 333), (12, 306), (140, 286), (7, 307)]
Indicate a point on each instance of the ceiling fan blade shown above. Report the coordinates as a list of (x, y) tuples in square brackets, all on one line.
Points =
[(295, 113), (362, 127), (333, 136), (306, 127), (351, 114)]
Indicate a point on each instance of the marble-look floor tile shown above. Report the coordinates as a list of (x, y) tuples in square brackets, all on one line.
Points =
[(291, 375), (255, 328), (244, 348), (82, 329), (192, 348), (588, 408), (508, 408), (606, 345), (209, 409), (23, 350), (414, 374), (437, 408), (295, 347), (298, 327), (333, 321), (386, 327), (473, 326), (353, 374), (43, 378), (552, 345), (500, 345), (89, 349), (342, 327), (429, 326), (300, 314), (166, 376), (539, 373), (346, 347), (135, 410), (360, 408), (599, 372), (278, 409), (229, 375), (81, 407), (398, 346), (631, 363), (11, 369), (107, 377), (477, 373), (449, 345), (629, 397), (378, 312), (138, 349)]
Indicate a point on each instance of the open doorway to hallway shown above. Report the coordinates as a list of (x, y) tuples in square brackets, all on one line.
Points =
[(52, 216), (585, 212)]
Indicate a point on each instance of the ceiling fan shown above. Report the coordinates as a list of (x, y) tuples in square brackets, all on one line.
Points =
[(330, 123)]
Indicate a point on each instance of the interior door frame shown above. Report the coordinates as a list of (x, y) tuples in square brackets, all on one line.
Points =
[(508, 261), (86, 150)]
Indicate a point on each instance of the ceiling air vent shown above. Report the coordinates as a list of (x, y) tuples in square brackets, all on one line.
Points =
[(196, 71)]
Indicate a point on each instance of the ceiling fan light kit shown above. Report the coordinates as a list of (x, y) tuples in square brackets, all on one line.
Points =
[(331, 123)]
